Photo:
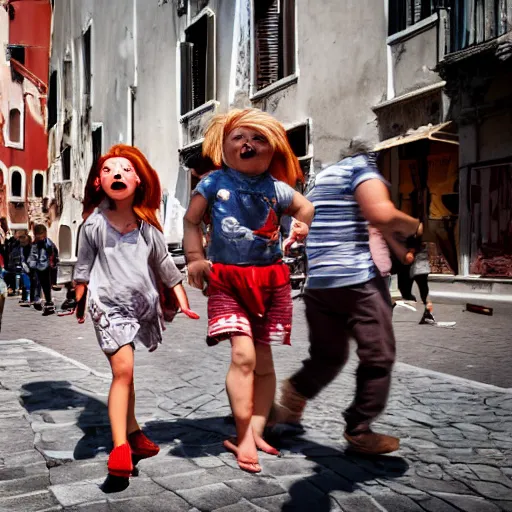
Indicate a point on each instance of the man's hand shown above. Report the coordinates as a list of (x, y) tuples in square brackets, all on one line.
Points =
[(198, 272)]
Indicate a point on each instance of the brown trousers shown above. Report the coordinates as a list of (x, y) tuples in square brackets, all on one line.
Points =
[(335, 315)]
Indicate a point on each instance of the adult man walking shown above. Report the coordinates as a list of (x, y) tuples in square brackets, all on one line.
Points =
[(345, 296)]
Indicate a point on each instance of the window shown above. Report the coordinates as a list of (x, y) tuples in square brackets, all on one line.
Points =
[(65, 242), (86, 56), (68, 88), (404, 13), (38, 185), (15, 125), (298, 137), (197, 54), (477, 21), (52, 101), (274, 45), (490, 196), (66, 163), (16, 184), (97, 141), (17, 53)]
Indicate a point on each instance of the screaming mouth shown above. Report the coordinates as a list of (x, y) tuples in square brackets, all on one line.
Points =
[(118, 185), (247, 152)]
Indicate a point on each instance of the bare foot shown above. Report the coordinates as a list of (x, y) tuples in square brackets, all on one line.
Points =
[(247, 464), (264, 446), (232, 445)]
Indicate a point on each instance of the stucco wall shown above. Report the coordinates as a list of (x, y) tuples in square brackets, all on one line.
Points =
[(414, 61), (342, 73)]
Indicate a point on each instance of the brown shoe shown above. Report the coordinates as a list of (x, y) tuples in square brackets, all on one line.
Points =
[(290, 407), (372, 443)]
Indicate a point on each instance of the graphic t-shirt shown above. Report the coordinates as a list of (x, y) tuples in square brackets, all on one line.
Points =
[(244, 216)]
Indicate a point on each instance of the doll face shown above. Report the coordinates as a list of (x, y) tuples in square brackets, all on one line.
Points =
[(118, 178), (247, 151)]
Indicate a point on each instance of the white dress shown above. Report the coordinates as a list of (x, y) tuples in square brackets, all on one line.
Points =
[(123, 297)]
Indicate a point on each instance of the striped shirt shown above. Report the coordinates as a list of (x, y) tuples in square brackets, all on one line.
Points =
[(338, 247)]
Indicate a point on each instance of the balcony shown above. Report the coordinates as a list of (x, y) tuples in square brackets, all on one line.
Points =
[(474, 22)]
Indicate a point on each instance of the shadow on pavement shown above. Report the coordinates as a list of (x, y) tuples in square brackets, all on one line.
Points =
[(328, 469), (48, 396)]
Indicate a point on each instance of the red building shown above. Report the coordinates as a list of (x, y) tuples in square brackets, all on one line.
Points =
[(25, 27)]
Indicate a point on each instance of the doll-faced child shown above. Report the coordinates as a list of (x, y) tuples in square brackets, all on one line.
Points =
[(118, 178), (247, 151)]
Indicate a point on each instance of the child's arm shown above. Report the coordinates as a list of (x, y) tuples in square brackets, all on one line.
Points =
[(198, 266), (84, 263), (302, 212), (181, 297), (171, 277)]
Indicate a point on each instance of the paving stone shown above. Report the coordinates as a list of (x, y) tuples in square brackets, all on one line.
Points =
[(490, 474), (303, 492), (272, 503), (32, 502), (208, 462), (98, 506), (256, 487), (163, 465), (397, 503), (432, 504), (289, 466), (24, 485), (468, 503), (200, 478), (67, 473), (163, 501), (429, 485), (242, 506), (357, 503), (89, 491), (491, 490), (210, 497)]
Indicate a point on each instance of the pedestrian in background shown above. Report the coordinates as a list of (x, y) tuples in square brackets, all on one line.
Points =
[(249, 292), (418, 273), (345, 296), (43, 259), (122, 255)]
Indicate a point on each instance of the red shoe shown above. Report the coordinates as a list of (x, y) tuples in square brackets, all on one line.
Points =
[(120, 461), (142, 447)]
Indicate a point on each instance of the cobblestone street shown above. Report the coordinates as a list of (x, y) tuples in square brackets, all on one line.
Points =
[(456, 450)]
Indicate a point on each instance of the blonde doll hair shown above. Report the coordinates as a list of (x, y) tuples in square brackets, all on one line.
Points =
[(284, 165)]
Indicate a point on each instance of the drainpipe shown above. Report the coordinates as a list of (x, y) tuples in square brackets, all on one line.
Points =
[(390, 94)]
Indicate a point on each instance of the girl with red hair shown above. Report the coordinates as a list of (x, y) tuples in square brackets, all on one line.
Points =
[(249, 294), (122, 257)]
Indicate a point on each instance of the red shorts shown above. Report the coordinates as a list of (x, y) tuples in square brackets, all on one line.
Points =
[(250, 301)]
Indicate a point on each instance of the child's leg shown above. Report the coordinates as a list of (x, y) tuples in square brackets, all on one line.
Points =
[(264, 393), (132, 424), (120, 391), (240, 388), (46, 285)]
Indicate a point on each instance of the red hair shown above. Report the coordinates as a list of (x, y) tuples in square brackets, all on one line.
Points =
[(149, 192), (284, 165)]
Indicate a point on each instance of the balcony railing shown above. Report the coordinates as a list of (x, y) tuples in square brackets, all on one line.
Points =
[(478, 21)]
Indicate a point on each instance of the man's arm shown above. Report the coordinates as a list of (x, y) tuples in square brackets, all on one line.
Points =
[(378, 209)]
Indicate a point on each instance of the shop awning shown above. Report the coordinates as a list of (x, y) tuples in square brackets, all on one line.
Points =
[(443, 132)]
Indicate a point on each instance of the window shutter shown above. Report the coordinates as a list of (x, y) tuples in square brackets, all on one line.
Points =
[(267, 35), (186, 50), (288, 39), (210, 59)]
